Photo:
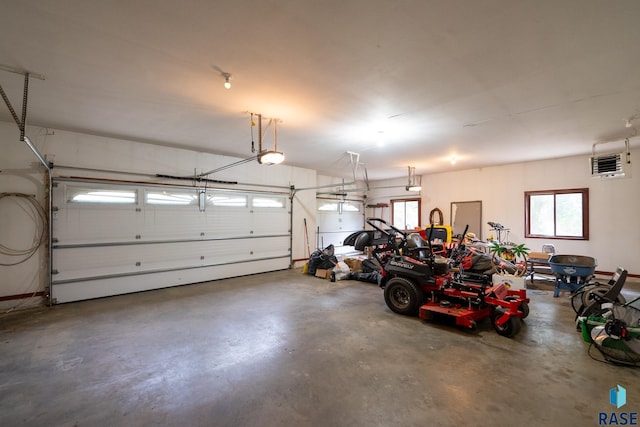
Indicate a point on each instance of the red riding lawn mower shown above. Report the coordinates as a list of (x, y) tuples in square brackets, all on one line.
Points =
[(417, 282)]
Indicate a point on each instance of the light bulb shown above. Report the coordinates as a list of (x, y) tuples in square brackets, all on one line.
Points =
[(380, 138), (227, 83), (270, 158)]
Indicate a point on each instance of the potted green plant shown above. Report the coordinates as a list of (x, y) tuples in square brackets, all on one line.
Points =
[(516, 254), (520, 252)]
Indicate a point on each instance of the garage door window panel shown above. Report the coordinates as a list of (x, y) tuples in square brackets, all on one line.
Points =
[(229, 200), (269, 202), (351, 207), (327, 206), (95, 213), (338, 206), (101, 195), (267, 217), (171, 198)]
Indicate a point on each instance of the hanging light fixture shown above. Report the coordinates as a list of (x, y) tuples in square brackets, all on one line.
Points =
[(413, 184), (227, 77), (269, 157)]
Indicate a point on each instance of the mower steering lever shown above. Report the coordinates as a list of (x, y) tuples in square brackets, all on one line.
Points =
[(370, 222)]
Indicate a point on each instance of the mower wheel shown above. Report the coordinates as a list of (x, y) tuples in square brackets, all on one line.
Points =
[(403, 296), (510, 328), (523, 307)]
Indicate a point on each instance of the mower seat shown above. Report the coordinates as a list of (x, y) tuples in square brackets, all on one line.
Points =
[(417, 246)]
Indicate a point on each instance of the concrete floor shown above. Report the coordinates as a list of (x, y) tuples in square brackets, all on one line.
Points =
[(287, 349)]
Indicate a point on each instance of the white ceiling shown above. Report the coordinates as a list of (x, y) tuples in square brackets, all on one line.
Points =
[(401, 82)]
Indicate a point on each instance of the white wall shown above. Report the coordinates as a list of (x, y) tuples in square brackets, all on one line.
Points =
[(22, 173), (614, 204), (384, 191)]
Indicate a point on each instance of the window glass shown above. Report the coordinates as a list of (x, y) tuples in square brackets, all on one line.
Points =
[(328, 205), (227, 199), (561, 214), (399, 215), (569, 215), (406, 213), (101, 195), (268, 201), (542, 212), (174, 198), (338, 206), (351, 207)]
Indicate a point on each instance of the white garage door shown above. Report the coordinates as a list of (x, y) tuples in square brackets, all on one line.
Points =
[(336, 220), (112, 239)]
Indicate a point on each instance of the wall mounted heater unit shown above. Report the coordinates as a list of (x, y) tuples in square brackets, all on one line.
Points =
[(611, 165)]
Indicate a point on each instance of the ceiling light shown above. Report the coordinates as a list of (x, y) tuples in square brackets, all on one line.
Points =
[(270, 157), (267, 157), (629, 122), (380, 138), (227, 83), (413, 184)]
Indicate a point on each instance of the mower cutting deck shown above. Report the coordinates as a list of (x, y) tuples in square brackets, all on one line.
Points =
[(499, 304)]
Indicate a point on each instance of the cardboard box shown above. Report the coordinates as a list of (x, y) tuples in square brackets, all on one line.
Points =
[(514, 282), (323, 273), (354, 264)]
